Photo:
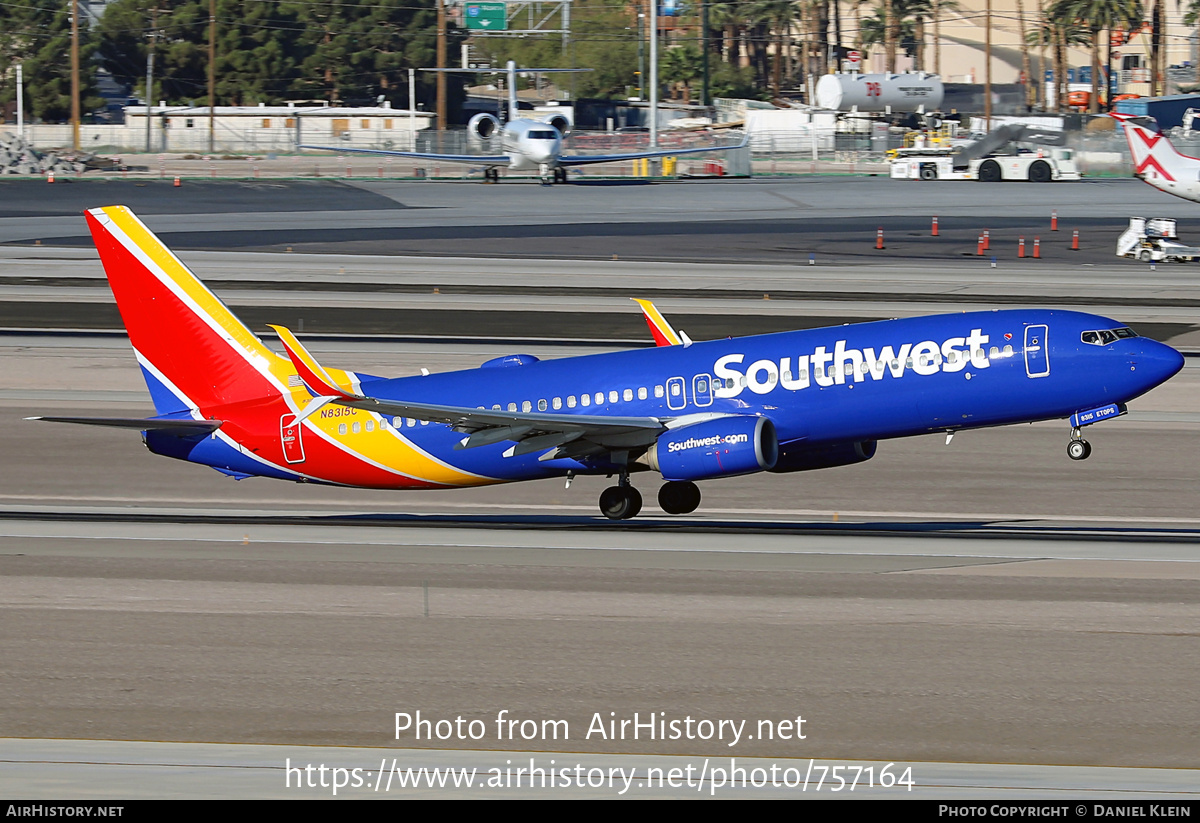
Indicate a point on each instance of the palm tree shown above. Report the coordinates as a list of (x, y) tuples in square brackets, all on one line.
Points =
[(778, 16), (1061, 33), (1097, 16)]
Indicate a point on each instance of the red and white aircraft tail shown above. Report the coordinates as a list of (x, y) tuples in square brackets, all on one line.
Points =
[(1159, 163)]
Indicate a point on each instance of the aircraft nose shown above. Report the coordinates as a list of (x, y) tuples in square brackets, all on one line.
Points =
[(1155, 362)]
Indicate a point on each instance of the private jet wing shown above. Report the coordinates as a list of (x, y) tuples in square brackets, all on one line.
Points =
[(478, 159), (587, 159), (558, 435)]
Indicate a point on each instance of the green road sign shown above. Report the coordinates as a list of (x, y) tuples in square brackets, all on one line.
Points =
[(486, 16)]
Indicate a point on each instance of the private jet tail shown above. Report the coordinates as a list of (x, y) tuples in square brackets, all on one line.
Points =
[(1158, 162), (196, 356)]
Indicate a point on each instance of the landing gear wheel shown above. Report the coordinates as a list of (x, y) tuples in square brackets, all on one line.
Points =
[(491, 175), (1079, 449), (560, 175), (620, 502), (679, 497)]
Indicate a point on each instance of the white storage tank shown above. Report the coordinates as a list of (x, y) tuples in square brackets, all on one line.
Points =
[(879, 92)]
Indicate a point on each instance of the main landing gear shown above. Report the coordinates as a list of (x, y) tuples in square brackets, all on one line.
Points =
[(624, 501), (621, 502), (1077, 447), (491, 174), (679, 497)]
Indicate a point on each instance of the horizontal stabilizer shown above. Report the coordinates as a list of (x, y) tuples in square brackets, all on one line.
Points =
[(183, 428)]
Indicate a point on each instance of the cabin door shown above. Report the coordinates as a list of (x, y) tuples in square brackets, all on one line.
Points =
[(1037, 353)]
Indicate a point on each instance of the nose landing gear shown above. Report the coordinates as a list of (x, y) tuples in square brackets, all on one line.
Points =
[(1078, 448)]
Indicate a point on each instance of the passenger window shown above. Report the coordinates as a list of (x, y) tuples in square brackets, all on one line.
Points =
[(557, 403), (395, 422), (512, 406), (341, 428), (370, 425), (355, 427), (585, 399), (1008, 351), (642, 393), (628, 395), (675, 389), (701, 386), (600, 398), (658, 391), (571, 402), (612, 397), (410, 421), (496, 407), (541, 405), (526, 406)]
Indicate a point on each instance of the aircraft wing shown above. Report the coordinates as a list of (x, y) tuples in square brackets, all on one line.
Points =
[(587, 159), (476, 159), (557, 435)]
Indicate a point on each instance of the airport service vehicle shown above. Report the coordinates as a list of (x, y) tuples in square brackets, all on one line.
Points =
[(1157, 162), (529, 145), (1032, 166), (991, 159), (1154, 240), (685, 411)]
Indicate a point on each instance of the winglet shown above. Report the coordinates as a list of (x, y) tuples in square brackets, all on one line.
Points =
[(663, 334), (315, 378)]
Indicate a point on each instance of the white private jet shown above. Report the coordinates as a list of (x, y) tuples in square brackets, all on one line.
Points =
[(1157, 162), (528, 145)]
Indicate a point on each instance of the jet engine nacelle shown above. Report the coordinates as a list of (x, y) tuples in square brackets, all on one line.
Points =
[(722, 447), (560, 122), (483, 125), (796, 457)]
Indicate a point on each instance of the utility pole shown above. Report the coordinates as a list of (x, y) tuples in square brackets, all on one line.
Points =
[(412, 106), (653, 73), (987, 69), (20, 102), (441, 64), (150, 74), (704, 100), (212, 76), (75, 74)]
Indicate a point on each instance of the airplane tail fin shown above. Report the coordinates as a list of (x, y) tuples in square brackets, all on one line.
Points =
[(1154, 157), (194, 353)]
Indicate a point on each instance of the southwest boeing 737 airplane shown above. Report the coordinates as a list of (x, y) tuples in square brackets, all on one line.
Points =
[(529, 145), (687, 411)]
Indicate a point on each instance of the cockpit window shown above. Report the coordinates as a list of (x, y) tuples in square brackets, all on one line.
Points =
[(1103, 337), (542, 135)]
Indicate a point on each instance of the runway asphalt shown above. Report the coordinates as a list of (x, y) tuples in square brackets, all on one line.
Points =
[(984, 602)]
